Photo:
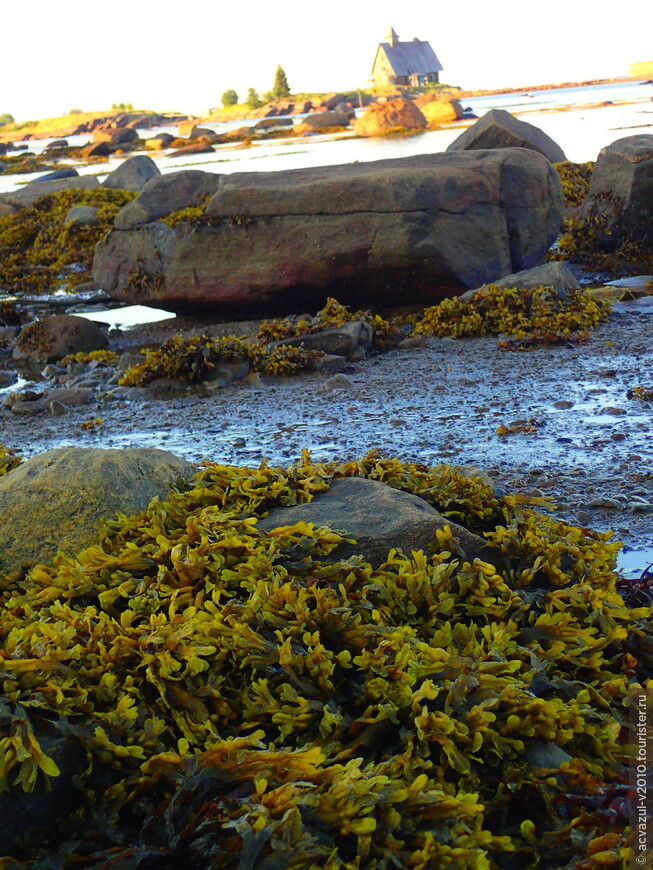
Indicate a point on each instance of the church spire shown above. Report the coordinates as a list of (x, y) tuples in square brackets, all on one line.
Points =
[(391, 37)]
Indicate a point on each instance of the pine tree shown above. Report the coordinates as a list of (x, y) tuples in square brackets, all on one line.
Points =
[(281, 88)]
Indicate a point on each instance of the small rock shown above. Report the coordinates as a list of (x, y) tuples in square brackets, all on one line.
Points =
[(70, 396), (563, 404), (7, 378), (337, 382), (27, 409), (57, 409)]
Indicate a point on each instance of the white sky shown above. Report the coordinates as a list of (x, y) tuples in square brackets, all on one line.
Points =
[(181, 56)]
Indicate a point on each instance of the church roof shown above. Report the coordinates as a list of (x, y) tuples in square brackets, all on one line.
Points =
[(411, 58)]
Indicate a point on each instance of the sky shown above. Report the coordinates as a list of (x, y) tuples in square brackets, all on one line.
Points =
[(181, 57)]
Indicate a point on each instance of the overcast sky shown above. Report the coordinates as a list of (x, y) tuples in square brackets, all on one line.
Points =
[(181, 56)]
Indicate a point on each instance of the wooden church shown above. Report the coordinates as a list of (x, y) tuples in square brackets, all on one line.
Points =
[(404, 63)]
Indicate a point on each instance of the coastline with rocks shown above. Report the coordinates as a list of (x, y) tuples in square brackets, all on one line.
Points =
[(328, 575)]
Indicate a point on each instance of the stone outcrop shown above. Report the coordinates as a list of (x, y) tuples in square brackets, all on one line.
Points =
[(378, 517), (56, 500), (53, 338), (132, 174), (114, 135), (382, 118), (621, 191), (500, 129), (386, 232)]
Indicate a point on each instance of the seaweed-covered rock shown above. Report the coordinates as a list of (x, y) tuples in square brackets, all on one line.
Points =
[(500, 129), (28, 194), (53, 338), (133, 174), (378, 517), (56, 500), (405, 231), (167, 193), (621, 191), (322, 120), (555, 274), (347, 340)]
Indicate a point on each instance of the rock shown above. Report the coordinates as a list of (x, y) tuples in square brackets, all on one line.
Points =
[(132, 174), (27, 408), (6, 209), (82, 216), (546, 754), (28, 194), (167, 193), (52, 338), (185, 128), (555, 274), (439, 112), (621, 191), (7, 378), (270, 125), (68, 396), (98, 149), (58, 173), (196, 132), (377, 516), (414, 229), (56, 144), (337, 382), (322, 121), (56, 500), (342, 341), (158, 142), (198, 148), (329, 363), (114, 135), (391, 116), (500, 129)]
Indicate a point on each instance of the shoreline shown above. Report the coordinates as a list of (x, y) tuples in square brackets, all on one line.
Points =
[(56, 128)]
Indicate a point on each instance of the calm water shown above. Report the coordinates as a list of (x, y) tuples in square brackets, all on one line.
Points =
[(625, 109)]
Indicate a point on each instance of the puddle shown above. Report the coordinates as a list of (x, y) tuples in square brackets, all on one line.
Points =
[(127, 317)]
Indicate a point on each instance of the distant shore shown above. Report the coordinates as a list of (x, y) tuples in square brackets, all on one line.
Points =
[(69, 125)]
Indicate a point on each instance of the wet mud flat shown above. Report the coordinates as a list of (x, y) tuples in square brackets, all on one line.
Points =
[(570, 432)]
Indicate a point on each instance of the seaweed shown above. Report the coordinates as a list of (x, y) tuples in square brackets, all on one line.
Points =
[(539, 314), (40, 252), (246, 699)]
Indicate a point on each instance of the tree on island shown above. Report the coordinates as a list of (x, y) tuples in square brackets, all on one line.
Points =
[(229, 98), (6, 118), (124, 107), (253, 100), (281, 88)]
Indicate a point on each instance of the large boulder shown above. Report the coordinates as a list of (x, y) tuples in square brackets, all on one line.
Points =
[(621, 191), (114, 136), (52, 338), (378, 517), (438, 112), (500, 129), (389, 232), (56, 500), (388, 117), (132, 174)]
